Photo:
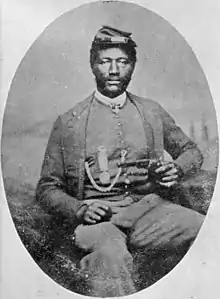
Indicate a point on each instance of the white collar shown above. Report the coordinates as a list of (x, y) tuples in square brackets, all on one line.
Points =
[(119, 100)]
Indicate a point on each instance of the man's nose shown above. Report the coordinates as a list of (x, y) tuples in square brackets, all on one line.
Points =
[(114, 69)]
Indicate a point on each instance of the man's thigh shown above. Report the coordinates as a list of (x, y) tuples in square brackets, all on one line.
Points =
[(166, 225), (154, 222)]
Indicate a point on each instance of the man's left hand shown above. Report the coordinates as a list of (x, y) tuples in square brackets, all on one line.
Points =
[(169, 173)]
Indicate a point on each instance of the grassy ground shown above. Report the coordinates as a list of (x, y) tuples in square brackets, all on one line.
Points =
[(41, 236), (50, 247)]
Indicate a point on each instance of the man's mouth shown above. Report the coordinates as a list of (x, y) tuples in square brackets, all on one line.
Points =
[(113, 82)]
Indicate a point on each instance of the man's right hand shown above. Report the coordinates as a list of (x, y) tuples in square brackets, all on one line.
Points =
[(96, 212)]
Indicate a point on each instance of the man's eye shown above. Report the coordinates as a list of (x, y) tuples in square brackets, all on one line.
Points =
[(103, 61), (124, 62)]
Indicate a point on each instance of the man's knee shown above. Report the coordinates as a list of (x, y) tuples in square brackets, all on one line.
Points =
[(188, 228), (93, 237)]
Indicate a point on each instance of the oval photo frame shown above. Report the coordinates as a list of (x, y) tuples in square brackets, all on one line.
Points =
[(46, 74)]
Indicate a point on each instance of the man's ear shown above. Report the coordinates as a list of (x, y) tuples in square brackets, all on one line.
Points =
[(93, 69), (134, 66)]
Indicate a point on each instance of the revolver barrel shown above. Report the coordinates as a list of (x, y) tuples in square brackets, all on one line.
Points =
[(138, 163)]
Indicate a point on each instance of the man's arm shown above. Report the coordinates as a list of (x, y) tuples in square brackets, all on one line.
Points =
[(184, 151), (51, 190)]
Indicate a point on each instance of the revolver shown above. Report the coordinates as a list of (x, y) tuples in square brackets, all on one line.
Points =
[(150, 164)]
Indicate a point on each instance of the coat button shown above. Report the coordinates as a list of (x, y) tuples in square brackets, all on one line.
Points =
[(127, 181)]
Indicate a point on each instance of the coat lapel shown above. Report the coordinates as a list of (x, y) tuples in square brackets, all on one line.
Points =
[(75, 142), (147, 124)]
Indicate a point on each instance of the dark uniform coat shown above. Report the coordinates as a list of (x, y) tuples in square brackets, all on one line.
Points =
[(61, 185), (61, 192)]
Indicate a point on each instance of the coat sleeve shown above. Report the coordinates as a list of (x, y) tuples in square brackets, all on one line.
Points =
[(51, 190), (183, 150)]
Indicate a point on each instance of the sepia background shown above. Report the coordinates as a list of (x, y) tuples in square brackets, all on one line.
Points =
[(55, 74)]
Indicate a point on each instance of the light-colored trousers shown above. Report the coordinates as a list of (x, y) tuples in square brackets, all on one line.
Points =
[(145, 227)]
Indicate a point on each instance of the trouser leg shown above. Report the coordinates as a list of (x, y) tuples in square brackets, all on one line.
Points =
[(158, 228), (108, 263), (165, 225), (154, 222)]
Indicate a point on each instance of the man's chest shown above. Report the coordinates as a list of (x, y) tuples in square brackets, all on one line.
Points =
[(133, 128), (115, 132)]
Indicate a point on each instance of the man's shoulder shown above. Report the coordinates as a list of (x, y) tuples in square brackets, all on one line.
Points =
[(145, 102), (77, 110)]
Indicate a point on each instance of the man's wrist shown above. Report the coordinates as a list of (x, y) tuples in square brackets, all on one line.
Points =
[(81, 211), (180, 172)]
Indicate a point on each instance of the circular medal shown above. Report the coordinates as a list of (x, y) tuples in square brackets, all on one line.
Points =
[(104, 177)]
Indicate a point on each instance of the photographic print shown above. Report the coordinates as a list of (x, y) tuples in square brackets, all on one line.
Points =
[(109, 149)]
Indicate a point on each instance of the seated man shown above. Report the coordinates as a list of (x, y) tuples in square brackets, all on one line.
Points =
[(104, 173)]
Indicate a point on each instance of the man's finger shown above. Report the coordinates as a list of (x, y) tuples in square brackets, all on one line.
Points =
[(171, 172), (99, 211), (97, 204), (169, 178), (164, 168), (87, 219), (105, 208), (168, 184), (92, 215)]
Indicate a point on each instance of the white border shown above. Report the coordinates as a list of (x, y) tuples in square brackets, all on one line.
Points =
[(197, 275)]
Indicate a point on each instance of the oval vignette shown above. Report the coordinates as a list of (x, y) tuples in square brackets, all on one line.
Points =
[(54, 75)]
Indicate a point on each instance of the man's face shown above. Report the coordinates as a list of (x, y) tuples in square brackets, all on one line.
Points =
[(112, 70)]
